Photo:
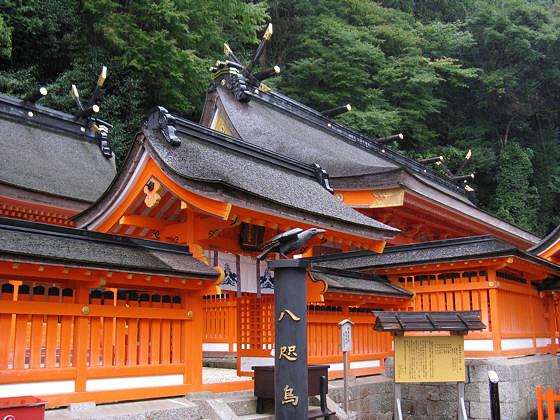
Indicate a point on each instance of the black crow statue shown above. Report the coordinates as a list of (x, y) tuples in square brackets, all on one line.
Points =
[(288, 242)]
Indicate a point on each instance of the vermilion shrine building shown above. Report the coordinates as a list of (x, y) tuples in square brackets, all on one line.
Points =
[(114, 284)]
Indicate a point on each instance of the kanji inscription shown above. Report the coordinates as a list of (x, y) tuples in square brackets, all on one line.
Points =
[(430, 359)]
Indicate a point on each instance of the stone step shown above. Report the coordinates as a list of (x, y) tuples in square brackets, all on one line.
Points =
[(242, 404), (264, 416), (172, 408), (220, 362)]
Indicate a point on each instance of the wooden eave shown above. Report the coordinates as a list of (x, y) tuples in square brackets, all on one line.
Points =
[(356, 288), (454, 321), (19, 209), (69, 275), (166, 220), (521, 267), (403, 200), (549, 247), (35, 252)]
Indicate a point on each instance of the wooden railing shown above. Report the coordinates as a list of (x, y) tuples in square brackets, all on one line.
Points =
[(550, 399), (106, 348), (512, 310), (220, 321), (369, 347), (256, 338)]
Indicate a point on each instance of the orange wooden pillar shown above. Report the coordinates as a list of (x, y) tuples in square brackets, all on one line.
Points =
[(66, 330), (196, 326), (144, 333), (176, 336), (493, 297), (193, 333), (7, 294), (165, 342), (81, 338), (132, 333), (155, 333), (532, 322), (120, 333), (20, 343), (552, 313)]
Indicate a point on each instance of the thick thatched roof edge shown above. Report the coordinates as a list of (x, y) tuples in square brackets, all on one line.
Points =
[(244, 196), (40, 116), (37, 243), (355, 282), (309, 115), (230, 143), (448, 250), (81, 234)]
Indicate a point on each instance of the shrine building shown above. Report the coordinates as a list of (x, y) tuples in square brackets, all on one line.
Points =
[(114, 285)]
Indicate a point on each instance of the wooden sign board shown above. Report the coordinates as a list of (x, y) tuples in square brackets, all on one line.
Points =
[(346, 336), (430, 359)]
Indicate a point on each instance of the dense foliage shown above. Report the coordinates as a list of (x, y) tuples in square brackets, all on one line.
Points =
[(157, 52), (480, 75)]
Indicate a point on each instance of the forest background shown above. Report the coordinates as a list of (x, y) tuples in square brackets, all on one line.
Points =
[(451, 75)]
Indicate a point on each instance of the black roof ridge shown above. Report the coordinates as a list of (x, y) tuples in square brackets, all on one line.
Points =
[(341, 255), (40, 116), (348, 273), (414, 246), (347, 133), (20, 225), (546, 242), (444, 242)]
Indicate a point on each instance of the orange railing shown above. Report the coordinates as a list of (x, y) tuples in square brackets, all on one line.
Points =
[(512, 310), (550, 399), (256, 337), (369, 347), (106, 348), (220, 321)]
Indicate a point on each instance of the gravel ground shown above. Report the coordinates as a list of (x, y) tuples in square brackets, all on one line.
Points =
[(216, 375)]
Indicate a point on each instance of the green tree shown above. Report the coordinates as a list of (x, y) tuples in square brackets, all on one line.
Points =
[(516, 200), (173, 44), (45, 35), (157, 53), (5, 38), (516, 98), (445, 11), (377, 59)]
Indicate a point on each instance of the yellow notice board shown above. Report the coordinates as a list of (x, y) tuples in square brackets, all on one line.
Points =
[(430, 359)]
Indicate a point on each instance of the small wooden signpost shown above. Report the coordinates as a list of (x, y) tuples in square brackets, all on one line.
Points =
[(346, 346), (429, 359)]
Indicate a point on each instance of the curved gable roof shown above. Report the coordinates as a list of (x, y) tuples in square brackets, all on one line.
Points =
[(285, 126), (353, 161), (549, 247), (46, 152), (230, 170)]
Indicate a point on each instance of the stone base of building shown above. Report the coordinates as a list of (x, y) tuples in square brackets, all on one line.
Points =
[(372, 397)]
